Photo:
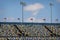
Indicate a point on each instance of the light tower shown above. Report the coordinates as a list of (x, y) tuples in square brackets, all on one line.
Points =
[(23, 4), (51, 11)]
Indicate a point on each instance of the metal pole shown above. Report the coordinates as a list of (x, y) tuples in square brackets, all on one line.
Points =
[(51, 14), (22, 14), (51, 11), (23, 4)]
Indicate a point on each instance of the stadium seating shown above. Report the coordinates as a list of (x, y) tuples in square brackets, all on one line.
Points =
[(31, 30)]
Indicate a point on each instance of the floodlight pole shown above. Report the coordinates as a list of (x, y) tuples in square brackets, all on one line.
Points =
[(22, 14), (23, 4), (51, 11)]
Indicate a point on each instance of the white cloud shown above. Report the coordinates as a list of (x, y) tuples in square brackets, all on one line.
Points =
[(34, 20), (35, 13), (29, 19), (34, 8), (39, 20), (10, 18)]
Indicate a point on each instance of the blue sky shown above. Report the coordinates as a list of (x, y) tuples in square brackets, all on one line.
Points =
[(36, 9)]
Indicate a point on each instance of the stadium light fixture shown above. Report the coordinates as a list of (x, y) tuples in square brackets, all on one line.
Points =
[(57, 20), (5, 19), (44, 20), (31, 20), (18, 19)]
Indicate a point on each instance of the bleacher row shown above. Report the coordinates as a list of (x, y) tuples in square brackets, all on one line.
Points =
[(28, 30)]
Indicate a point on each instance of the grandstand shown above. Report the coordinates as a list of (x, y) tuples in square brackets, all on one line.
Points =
[(18, 30)]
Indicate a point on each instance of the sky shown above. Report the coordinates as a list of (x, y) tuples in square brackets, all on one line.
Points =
[(34, 9)]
